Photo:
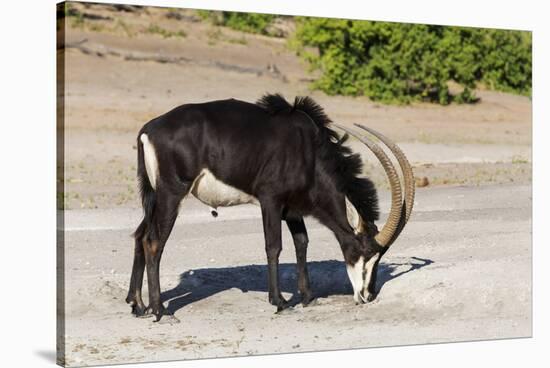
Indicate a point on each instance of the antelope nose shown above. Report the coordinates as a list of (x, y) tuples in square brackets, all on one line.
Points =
[(361, 299)]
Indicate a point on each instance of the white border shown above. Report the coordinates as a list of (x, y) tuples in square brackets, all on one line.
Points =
[(27, 158)]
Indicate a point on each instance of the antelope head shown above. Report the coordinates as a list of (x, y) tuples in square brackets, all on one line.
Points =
[(362, 268)]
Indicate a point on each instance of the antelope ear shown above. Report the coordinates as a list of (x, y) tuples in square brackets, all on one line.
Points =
[(354, 219)]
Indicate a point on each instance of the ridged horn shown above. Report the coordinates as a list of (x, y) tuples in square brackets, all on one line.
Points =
[(384, 237), (408, 177)]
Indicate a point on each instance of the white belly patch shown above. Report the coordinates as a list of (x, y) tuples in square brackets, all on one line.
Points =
[(215, 193)]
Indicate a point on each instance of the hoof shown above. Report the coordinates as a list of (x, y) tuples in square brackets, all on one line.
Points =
[(138, 310), (142, 312), (282, 305), (286, 310), (307, 298), (159, 313), (279, 302)]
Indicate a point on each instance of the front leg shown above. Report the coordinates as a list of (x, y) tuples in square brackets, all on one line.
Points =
[(271, 216), (298, 230)]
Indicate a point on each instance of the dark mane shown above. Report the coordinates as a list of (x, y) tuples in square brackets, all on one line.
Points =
[(338, 159), (274, 103)]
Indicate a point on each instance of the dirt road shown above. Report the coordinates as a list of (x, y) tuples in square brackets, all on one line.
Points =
[(460, 271)]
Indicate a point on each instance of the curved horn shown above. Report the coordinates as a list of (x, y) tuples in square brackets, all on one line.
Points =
[(384, 237), (408, 176)]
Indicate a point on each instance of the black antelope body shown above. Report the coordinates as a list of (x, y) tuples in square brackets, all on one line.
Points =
[(283, 157)]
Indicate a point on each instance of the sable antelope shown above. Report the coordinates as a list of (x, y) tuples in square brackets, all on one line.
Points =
[(283, 157)]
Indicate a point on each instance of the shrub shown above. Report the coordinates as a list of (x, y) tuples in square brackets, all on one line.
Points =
[(396, 62), (507, 58), (246, 22)]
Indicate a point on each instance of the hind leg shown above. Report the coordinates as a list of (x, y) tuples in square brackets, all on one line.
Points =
[(136, 280), (164, 216)]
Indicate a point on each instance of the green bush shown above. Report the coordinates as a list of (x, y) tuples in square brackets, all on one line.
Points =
[(246, 22), (396, 62), (507, 62)]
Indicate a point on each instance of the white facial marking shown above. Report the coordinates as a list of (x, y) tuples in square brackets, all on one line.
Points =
[(214, 193), (150, 158), (369, 272), (355, 274)]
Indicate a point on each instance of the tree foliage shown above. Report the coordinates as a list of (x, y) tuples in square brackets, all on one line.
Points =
[(397, 62)]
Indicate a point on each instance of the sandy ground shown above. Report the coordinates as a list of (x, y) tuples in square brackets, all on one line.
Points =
[(460, 271)]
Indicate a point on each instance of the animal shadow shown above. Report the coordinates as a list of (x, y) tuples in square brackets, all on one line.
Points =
[(327, 278)]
